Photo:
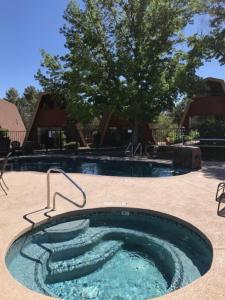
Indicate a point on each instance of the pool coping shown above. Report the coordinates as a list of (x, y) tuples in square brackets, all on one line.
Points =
[(213, 278)]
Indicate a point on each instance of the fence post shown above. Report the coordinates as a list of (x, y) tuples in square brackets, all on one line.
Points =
[(60, 140), (182, 134)]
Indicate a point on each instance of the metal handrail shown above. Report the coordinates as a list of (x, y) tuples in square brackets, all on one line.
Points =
[(130, 145), (59, 194), (141, 149)]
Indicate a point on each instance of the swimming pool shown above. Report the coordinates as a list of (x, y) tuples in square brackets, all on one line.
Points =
[(95, 166), (117, 254)]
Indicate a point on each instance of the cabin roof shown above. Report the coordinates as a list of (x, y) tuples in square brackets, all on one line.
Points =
[(10, 117)]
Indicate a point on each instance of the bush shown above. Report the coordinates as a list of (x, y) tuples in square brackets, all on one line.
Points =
[(211, 128), (192, 135), (72, 145), (4, 141), (175, 136), (4, 133)]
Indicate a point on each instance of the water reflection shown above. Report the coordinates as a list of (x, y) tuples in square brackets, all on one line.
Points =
[(94, 166)]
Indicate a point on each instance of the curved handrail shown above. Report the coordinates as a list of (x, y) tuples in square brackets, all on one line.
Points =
[(59, 194), (130, 148), (141, 149)]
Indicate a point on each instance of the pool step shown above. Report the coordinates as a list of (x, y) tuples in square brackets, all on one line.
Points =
[(91, 249), (62, 232), (86, 241), (82, 265), (77, 246)]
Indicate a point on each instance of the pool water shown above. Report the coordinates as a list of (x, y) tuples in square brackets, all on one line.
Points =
[(95, 166), (109, 255)]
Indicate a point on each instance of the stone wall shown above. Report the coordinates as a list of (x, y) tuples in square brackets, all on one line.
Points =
[(187, 157)]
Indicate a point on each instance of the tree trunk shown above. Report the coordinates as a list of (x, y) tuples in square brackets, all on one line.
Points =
[(104, 128), (80, 132)]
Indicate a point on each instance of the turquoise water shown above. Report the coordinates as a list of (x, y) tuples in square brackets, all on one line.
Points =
[(109, 255), (95, 166)]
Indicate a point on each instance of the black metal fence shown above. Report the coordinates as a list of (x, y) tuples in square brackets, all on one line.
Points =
[(39, 140), (57, 139), (18, 136), (9, 139), (171, 136)]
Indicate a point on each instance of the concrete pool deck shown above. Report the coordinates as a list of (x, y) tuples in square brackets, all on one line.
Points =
[(190, 197)]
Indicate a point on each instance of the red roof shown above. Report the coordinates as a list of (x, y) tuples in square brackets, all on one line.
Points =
[(10, 117), (207, 105)]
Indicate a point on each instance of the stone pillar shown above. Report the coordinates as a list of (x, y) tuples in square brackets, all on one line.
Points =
[(187, 157)]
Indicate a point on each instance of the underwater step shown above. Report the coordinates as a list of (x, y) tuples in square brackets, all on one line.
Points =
[(82, 265), (62, 232), (68, 256), (77, 246)]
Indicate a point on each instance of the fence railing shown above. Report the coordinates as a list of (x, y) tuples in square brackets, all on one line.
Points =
[(165, 136), (46, 139), (18, 136), (58, 139), (168, 136)]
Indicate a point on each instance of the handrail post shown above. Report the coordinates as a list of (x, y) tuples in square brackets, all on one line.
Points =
[(48, 189)]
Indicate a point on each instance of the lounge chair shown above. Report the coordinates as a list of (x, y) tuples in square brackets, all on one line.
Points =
[(2, 170)]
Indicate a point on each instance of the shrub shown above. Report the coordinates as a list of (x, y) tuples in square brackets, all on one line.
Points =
[(192, 135), (175, 136), (4, 133), (211, 128)]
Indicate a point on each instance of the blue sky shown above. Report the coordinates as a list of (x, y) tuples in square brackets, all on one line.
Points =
[(26, 26)]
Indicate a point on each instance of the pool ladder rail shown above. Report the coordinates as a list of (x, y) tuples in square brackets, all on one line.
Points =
[(133, 151), (129, 149), (56, 170), (140, 148)]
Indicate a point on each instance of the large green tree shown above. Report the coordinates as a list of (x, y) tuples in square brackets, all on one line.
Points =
[(12, 95), (123, 56), (214, 41), (29, 99)]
